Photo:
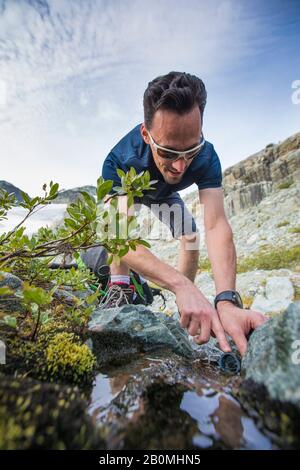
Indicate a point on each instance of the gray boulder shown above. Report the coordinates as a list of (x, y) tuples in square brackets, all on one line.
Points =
[(10, 280), (9, 303), (273, 356), (120, 333), (272, 376)]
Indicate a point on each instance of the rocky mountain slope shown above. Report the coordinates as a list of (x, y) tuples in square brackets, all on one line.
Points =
[(10, 188), (66, 196)]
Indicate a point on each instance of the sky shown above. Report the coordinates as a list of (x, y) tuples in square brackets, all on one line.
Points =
[(73, 74)]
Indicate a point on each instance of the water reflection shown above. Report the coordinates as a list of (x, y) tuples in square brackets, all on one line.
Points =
[(221, 418), (174, 417)]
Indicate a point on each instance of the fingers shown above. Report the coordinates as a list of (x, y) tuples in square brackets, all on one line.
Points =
[(193, 327), (184, 320), (205, 328), (220, 334), (240, 340)]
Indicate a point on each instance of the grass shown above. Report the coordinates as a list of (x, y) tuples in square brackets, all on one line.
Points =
[(294, 229), (282, 224), (285, 184), (266, 257)]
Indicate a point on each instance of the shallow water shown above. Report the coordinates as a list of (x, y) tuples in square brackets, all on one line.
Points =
[(214, 418)]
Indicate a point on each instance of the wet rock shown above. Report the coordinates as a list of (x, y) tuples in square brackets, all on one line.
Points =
[(272, 379), (272, 358), (34, 415), (118, 333)]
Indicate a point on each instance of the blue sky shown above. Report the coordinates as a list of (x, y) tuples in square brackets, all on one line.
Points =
[(72, 76)]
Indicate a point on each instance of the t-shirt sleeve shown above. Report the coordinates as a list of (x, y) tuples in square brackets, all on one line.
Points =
[(211, 177)]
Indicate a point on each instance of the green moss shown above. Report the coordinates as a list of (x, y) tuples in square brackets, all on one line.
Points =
[(282, 224), (285, 184), (294, 229), (74, 361), (66, 357), (44, 416)]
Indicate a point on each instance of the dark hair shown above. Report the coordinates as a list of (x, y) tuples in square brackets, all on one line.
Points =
[(176, 91)]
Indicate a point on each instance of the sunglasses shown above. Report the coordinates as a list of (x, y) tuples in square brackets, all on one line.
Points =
[(173, 155)]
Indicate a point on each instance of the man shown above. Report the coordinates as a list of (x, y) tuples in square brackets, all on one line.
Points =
[(171, 146)]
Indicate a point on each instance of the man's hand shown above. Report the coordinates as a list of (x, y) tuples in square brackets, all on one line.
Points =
[(239, 322), (196, 313)]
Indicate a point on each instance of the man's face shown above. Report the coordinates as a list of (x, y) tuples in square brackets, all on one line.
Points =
[(176, 132)]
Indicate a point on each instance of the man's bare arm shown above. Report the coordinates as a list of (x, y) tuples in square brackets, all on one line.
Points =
[(219, 239), (196, 313), (221, 251)]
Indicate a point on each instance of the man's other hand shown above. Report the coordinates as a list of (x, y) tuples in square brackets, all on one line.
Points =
[(196, 313), (238, 323)]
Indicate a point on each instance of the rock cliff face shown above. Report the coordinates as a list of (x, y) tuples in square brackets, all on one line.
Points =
[(249, 181)]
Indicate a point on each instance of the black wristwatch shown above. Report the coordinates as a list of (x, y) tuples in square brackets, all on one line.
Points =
[(231, 296)]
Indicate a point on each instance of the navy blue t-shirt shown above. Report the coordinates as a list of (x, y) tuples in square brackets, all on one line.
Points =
[(132, 151)]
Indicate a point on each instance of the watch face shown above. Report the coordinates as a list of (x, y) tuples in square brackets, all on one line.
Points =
[(237, 299), (232, 296)]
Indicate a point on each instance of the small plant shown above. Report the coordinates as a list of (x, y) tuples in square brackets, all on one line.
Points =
[(34, 299), (285, 184), (283, 223), (294, 229)]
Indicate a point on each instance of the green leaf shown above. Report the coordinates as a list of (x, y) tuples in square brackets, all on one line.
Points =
[(120, 173), (71, 223), (10, 321), (26, 198), (32, 294), (53, 190), (143, 242), (104, 189), (123, 251)]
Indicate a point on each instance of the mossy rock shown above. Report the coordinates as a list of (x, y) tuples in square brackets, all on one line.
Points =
[(56, 356), (44, 416)]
